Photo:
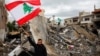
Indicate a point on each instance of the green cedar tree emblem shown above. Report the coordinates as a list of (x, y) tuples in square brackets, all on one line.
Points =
[(27, 8)]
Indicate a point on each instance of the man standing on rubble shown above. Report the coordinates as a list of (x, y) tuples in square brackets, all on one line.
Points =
[(59, 21), (40, 49)]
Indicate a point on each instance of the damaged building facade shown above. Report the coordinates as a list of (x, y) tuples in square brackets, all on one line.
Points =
[(86, 20), (96, 20)]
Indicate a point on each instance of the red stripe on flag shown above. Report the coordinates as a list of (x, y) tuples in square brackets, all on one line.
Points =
[(29, 16), (33, 2), (12, 5)]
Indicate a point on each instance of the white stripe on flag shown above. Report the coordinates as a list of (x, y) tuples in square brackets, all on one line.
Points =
[(18, 11)]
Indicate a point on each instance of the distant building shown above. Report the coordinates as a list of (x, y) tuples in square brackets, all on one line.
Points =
[(84, 19), (96, 19), (73, 20), (83, 13)]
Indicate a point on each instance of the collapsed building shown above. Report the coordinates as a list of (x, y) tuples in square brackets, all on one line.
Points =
[(78, 37)]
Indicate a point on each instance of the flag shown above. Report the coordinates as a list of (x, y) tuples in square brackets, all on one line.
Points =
[(59, 20), (23, 10)]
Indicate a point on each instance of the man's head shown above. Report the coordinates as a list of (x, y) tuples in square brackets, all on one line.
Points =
[(39, 41)]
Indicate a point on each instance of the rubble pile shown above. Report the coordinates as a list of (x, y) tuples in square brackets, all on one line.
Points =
[(73, 41), (14, 39)]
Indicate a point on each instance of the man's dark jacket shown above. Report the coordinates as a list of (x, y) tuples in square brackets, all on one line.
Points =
[(40, 49)]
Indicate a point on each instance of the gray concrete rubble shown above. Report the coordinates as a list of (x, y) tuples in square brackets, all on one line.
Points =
[(73, 40), (70, 40)]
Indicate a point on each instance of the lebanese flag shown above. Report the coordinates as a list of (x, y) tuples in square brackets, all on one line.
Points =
[(23, 10)]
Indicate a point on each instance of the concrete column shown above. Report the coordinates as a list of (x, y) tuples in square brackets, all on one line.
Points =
[(38, 28), (3, 19)]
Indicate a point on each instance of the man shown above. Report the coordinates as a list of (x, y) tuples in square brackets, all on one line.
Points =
[(40, 49)]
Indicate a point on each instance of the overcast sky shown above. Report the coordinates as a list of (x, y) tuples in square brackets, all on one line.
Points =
[(68, 8)]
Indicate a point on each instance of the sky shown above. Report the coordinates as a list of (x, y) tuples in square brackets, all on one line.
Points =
[(68, 8)]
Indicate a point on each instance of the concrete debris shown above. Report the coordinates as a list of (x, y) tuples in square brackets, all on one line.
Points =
[(73, 40)]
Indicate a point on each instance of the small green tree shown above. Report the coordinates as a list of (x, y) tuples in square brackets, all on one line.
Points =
[(11, 26)]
